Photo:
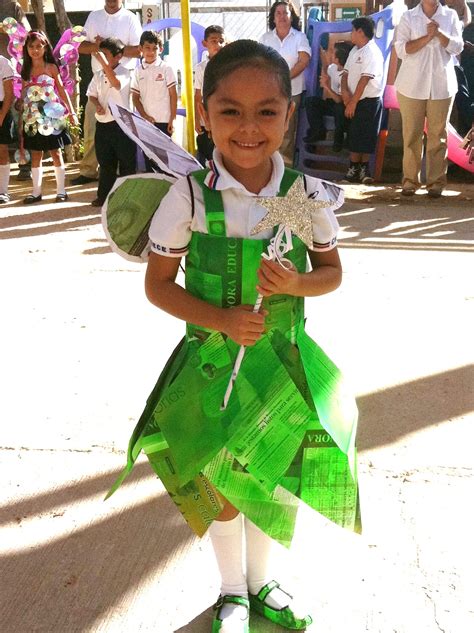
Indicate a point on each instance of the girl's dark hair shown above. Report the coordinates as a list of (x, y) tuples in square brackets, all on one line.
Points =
[(113, 44), (341, 51), (48, 53), (294, 17), (151, 37), (245, 54)]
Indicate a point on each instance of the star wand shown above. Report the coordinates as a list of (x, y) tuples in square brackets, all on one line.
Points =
[(293, 215)]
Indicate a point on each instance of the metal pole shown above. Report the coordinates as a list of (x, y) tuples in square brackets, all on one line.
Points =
[(188, 75)]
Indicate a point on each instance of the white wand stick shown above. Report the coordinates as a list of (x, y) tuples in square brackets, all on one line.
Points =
[(276, 249)]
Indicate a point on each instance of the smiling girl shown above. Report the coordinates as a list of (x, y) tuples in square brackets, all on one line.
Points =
[(209, 217), (41, 82)]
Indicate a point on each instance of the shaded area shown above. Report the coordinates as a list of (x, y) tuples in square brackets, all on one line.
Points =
[(68, 494), (390, 414), (112, 556), (420, 226)]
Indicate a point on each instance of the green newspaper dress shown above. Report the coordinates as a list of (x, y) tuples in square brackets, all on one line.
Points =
[(288, 433)]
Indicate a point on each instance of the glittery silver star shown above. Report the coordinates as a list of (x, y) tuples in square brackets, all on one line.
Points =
[(293, 210)]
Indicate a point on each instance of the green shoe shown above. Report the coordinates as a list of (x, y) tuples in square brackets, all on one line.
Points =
[(284, 617), (217, 622)]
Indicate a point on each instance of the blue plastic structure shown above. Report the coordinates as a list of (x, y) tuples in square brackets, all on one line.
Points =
[(332, 166)]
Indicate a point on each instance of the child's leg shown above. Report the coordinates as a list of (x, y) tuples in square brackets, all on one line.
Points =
[(126, 153), (36, 171), (107, 157), (59, 170), (227, 540), (4, 173), (260, 572)]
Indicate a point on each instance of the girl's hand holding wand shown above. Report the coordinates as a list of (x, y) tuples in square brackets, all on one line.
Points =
[(243, 325), (274, 279)]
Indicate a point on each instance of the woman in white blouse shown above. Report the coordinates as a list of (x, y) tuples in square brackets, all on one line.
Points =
[(285, 36), (426, 40)]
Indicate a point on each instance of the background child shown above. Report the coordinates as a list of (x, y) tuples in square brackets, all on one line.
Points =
[(153, 85), (331, 104), (362, 88), (6, 125), (214, 40), (246, 105), (39, 73), (114, 149)]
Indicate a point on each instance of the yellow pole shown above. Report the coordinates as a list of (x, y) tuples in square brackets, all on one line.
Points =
[(188, 75)]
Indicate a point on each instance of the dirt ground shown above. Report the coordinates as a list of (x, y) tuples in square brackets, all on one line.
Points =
[(81, 350)]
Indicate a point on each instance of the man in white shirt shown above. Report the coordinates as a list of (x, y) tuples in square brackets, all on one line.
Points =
[(111, 21), (362, 88), (427, 39)]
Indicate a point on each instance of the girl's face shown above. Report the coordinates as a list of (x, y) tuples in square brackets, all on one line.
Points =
[(282, 16), (35, 49), (247, 115)]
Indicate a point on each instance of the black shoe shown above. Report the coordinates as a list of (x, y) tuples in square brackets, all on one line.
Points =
[(314, 138), (337, 147), (364, 175), (352, 175), (4, 198), (62, 197), (97, 202), (434, 193), (31, 199), (82, 180), (24, 174)]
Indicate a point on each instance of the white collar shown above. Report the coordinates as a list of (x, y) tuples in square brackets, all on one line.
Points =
[(219, 178), (158, 61), (118, 13)]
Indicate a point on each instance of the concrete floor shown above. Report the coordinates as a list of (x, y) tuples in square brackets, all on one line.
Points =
[(81, 349)]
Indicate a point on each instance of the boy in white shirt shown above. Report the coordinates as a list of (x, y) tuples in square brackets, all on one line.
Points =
[(214, 40), (331, 104), (362, 88), (153, 85), (113, 147), (6, 125)]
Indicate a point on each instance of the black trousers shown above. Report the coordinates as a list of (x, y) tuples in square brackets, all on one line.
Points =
[(205, 147), (150, 165), (317, 108), (114, 150)]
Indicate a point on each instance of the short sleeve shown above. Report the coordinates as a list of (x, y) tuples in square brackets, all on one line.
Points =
[(134, 81), (369, 64), (325, 224), (6, 70), (170, 229), (89, 28), (198, 77), (92, 88), (303, 44), (170, 77), (135, 31)]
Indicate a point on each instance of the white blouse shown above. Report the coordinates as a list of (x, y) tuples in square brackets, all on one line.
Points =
[(428, 73), (173, 223)]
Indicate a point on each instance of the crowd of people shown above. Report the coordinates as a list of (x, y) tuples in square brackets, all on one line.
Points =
[(435, 71)]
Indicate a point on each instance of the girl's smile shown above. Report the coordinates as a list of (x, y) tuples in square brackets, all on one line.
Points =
[(247, 116)]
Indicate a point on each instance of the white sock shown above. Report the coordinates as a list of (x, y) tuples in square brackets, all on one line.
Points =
[(37, 178), (259, 547), (227, 541), (259, 572), (4, 178), (60, 174)]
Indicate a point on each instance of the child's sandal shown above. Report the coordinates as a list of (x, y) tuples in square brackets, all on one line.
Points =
[(284, 617), (31, 199), (239, 600)]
